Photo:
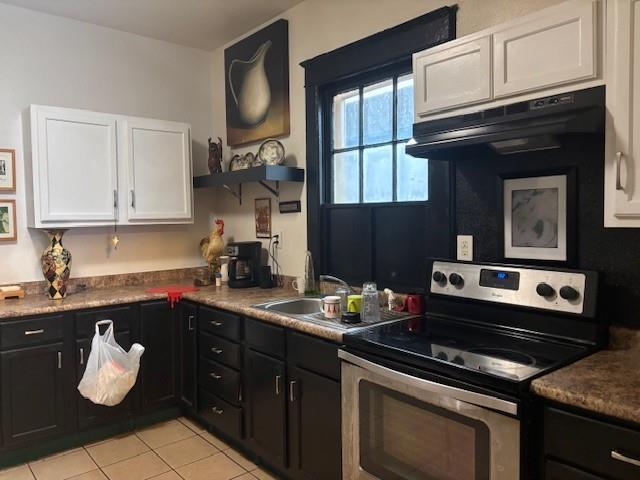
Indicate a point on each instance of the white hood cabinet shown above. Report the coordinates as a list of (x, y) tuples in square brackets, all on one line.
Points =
[(96, 169)]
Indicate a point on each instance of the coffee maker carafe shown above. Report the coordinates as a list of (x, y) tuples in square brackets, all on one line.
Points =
[(244, 264)]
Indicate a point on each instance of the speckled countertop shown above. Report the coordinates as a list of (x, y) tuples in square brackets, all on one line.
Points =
[(235, 300), (607, 382)]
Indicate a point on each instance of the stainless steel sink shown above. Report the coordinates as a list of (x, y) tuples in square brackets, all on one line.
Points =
[(294, 306)]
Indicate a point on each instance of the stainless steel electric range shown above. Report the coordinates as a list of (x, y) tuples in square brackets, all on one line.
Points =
[(446, 396)]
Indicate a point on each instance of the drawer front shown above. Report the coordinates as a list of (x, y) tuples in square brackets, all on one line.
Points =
[(31, 331), (220, 414), (86, 321), (220, 323), (221, 350), (319, 356), (221, 380), (265, 338), (592, 444), (558, 471)]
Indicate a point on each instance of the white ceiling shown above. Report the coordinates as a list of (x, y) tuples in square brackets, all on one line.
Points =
[(205, 24)]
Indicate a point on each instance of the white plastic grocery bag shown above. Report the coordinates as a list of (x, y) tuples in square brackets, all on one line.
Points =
[(111, 372)]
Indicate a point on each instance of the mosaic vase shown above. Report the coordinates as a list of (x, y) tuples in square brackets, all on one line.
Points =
[(56, 265)]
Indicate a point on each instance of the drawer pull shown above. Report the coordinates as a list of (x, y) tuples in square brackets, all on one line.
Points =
[(82, 356), (217, 351), (34, 332), (191, 319), (623, 458), (217, 411), (216, 323), (59, 360), (215, 375)]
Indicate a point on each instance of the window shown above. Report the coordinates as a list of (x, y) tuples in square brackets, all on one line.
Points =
[(371, 124)]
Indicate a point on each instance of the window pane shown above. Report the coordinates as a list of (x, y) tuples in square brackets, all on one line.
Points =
[(405, 107), (378, 174), (413, 176), (378, 112), (346, 115), (346, 177)]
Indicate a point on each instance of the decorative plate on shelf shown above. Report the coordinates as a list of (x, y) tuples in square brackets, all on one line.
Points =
[(271, 152)]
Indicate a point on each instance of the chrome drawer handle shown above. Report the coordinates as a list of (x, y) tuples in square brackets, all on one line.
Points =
[(623, 458), (217, 351), (215, 375), (82, 356), (217, 411), (34, 332), (619, 185), (216, 324)]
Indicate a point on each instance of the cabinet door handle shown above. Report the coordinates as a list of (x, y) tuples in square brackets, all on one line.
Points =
[(278, 381), (619, 156), (191, 318), (217, 351), (133, 198), (292, 391), (216, 324), (217, 411), (34, 332), (623, 458), (82, 356), (215, 375), (115, 199), (59, 360)]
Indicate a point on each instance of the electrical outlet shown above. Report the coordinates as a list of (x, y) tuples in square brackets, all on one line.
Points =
[(280, 239), (465, 247)]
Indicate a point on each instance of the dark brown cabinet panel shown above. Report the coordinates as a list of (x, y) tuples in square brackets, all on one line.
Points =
[(558, 471), (223, 351), (266, 406), (314, 426), (159, 367), (221, 323), (188, 355), (33, 392)]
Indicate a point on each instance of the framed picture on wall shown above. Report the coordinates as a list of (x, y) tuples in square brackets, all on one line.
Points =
[(263, 218), (7, 170), (538, 217), (8, 221)]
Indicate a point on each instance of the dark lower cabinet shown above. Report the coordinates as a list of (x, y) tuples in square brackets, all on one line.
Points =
[(558, 471), (159, 366), (33, 392), (314, 426), (188, 354), (266, 406)]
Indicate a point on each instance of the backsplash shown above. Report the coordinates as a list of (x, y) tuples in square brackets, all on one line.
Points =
[(612, 252)]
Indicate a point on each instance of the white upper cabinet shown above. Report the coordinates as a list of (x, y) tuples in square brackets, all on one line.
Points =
[(92, 169), (548, 52), (555, 49), (452, 77), (74, 167), (622, 146), (159, 176)]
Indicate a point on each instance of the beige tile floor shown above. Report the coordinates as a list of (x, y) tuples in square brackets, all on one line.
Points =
[(174, 450)]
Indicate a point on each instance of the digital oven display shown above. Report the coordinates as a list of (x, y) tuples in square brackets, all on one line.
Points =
[(499, 279)]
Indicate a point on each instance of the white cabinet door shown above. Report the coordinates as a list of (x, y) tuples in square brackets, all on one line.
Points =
[(74, 167), (452, 77), (557, 48), (160, 182), (622, 151)]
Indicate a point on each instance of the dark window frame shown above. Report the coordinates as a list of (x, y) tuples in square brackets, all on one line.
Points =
[(384, 50)]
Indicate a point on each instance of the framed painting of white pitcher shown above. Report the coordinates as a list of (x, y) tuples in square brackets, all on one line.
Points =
[(257, 85)]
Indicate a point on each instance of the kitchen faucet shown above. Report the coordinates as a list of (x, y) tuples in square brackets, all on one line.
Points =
[(331, 278)]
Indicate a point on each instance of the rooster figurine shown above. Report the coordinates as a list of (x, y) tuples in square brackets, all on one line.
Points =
[(212, 247)]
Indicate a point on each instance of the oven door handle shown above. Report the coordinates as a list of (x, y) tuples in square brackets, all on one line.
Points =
[(461, 394)]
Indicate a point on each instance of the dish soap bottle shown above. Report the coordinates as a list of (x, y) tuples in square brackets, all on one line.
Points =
[(310, 287)]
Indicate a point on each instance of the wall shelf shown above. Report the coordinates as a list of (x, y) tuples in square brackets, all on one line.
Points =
[(261, 175)]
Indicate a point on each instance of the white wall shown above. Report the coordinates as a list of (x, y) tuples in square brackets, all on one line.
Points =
[(54, 61), (315, 27)]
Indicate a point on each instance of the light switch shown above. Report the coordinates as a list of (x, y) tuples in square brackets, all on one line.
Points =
[(465, 247)]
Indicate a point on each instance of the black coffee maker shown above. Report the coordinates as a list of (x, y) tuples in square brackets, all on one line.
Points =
[(244, 264)]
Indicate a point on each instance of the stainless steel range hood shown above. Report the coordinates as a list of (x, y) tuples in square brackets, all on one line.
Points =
[(538, 124)]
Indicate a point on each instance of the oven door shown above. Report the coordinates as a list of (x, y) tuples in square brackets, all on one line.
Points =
[(396, 426)]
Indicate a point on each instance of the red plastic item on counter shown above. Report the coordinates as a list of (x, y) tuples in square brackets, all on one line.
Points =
[(174, 292), (415, 304)]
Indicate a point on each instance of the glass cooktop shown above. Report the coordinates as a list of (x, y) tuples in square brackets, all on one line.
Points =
[(455, 344)]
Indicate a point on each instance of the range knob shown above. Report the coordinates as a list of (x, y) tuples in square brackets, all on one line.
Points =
[(456, 280), (545, 290), (439, 277), (442, 356), (569, 293), (458, 360)]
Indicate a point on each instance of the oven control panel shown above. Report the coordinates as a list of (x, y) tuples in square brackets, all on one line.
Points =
[(562, 291)]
